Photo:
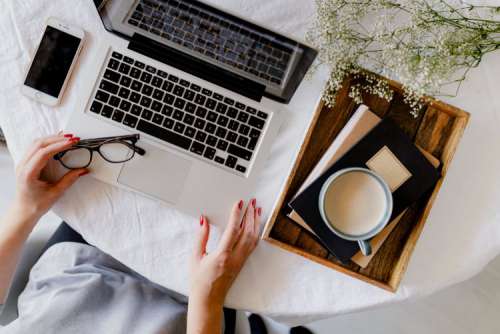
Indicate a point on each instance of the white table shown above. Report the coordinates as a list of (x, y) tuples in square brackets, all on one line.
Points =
[(461, 236)]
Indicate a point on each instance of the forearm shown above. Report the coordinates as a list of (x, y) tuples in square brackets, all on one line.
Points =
[(15, 228), (204, 318)]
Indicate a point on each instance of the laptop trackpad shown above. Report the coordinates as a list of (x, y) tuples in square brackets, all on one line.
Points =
[(158, 173)]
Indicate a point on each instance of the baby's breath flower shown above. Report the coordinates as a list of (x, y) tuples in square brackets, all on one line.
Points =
[(427, 45)]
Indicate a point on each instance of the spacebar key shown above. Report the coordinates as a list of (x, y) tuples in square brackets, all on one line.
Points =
[(164, 134)]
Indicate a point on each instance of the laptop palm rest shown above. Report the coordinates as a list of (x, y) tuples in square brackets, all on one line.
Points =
[(158, 173)]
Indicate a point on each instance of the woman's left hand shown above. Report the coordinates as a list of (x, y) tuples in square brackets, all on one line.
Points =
[(34, 196)]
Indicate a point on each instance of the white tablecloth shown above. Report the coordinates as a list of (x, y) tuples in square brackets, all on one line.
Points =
[(461, 236)]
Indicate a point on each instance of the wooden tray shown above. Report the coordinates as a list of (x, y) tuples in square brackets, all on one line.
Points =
[(437, 129)]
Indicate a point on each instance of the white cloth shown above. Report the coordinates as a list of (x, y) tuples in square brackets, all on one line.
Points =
[(462, 233)]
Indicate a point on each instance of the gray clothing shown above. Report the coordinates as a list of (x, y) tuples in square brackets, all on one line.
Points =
[(76, 288)]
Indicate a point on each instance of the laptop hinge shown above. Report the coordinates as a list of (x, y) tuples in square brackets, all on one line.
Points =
[(197, 67)]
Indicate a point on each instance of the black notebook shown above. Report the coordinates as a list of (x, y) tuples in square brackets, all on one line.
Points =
[(416, 176)]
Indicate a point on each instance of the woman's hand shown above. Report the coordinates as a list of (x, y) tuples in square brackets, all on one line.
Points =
[(34, 196), (213, 274)]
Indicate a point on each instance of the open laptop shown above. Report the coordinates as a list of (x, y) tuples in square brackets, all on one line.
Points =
[(203, 87)]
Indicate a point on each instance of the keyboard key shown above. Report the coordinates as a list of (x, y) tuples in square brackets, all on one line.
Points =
[(210, 128), (158, 119), (179, 127), (241, 169), (178, 90), (109, 87), (210, 104), (222, 144), (262, 115), (243, 117), (146, 102), (117, 55), (233, 125), (107, 111), (199, 123), (197, 148), (240, 105), (212, 116), (242, 141), (195, 87), (162, 74), (102, 96), (209, 153), (206, 92), (136, 110), (125, 106), (178, 115), (239, 152), (128, 60), (256, 122), (146, 77), (167, 110), (231, 161), (219, 160), (165, 135), (96, 107), (179, 103), (147, 114), (184, 83), (251, 110), (232, 112), (157, 106), (217, 96), (124, 93), (113, 64), (125, 81), (222, 120), (190, 132), (201, 136), (168, 123), (231, 136), (135, 73), (157, 82), (169, 99), (124, 68), (221, 108), (200, 99), (201, 112), (158, 94), (173, 78), (118, 116), (228, 101), (168, 86), (151, 69), (188, 119), (211, 141), (112, 76), (139, 64), (189, 95), (130, 121), (147, 90), (135, 97)]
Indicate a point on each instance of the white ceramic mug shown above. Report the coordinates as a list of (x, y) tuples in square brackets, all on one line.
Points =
[(376, 198)]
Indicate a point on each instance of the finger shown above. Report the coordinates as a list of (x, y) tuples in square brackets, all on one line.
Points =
[(232, 232), (203, 236), (258, 220), (68, 180), (247, 237), (43, 142), (42, 156)]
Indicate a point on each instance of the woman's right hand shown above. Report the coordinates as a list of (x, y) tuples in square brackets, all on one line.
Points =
[(213, 274)]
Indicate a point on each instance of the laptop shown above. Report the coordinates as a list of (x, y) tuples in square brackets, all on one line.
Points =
[(204, 88)]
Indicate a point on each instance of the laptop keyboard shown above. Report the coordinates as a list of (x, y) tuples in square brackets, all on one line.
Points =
[(214, 36), (193, 118)]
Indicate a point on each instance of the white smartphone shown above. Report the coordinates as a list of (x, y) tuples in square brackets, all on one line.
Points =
[(54, 60)]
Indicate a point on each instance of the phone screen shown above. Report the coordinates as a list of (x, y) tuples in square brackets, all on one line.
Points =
[(52, 61)]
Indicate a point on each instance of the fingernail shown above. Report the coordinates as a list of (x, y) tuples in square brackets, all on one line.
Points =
[(85, 172), (259, 211), (240, 205), (253, 202), (68, 135), (75, 139), (202, 220)]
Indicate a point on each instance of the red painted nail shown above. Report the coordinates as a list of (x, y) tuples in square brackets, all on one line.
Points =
[(259, 211), (75, 139), (202, 220), (240, 205), (85, 172), (253, 202), (68, 135)]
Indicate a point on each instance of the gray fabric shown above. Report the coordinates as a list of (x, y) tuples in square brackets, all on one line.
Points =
[(75, 288)]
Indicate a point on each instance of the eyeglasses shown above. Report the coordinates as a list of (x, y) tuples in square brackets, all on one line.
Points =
[(118, 149)]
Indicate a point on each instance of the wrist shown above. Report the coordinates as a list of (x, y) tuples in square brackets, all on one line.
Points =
[(23, 215)]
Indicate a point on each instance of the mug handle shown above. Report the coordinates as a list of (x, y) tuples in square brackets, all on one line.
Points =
[(365, 247)]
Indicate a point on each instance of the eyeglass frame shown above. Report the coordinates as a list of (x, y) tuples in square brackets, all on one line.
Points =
[(94, 145)]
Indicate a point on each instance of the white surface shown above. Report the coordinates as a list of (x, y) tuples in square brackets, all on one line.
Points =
[(461, 236)]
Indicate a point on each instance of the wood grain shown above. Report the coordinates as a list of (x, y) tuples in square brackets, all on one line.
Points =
[(437, 129)]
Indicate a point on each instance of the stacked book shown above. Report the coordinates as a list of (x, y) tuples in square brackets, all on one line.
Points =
[(369, 142)]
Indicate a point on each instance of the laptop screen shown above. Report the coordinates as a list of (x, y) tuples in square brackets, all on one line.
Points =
[(215, 37)]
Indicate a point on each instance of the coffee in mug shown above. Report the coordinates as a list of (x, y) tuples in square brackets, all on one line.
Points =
[(356, 204)]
